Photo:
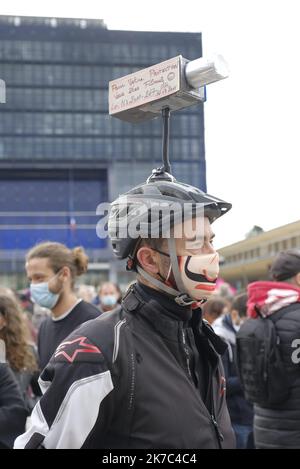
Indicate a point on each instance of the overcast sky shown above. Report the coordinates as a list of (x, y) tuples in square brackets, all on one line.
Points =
[(252, 118)]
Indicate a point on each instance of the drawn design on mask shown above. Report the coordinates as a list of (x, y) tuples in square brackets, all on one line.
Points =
[(198, 277)]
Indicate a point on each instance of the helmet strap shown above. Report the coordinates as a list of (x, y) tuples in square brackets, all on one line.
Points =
[(181, 297), (175, 265), (157, 283)]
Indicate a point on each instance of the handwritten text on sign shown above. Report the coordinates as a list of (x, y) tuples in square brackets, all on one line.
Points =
[(144, 86)]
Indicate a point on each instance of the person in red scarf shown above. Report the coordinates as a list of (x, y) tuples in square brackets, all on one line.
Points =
[(280, 427)]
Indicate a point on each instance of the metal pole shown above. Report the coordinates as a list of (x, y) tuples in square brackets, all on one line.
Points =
[(165, 143)]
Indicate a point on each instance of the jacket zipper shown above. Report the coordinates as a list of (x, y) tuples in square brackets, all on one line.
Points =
[(220, 437), (187, 355), (218, 433), (213, 418), (132, 384)]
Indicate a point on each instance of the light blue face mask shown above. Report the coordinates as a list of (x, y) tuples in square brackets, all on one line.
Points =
[(108, 300), (41, 295)]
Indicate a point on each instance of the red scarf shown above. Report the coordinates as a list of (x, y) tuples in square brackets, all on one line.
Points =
[(269, 297)]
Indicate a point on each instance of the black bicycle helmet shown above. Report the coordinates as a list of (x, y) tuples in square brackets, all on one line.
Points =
[(162, 191)]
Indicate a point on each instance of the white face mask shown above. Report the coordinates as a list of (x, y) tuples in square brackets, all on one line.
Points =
[(199, 274)]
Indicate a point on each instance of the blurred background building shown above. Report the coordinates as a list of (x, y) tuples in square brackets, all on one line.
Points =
[(250, 259), (60, 152)]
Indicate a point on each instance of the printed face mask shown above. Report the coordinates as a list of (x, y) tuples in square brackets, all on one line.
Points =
[(199, 274)]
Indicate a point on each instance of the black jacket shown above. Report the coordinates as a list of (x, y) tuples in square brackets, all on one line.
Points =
[(131, 379), (279, 427), (13, 412), (240, 411)]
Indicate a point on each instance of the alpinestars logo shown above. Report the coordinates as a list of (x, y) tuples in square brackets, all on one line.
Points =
[(70, 349)]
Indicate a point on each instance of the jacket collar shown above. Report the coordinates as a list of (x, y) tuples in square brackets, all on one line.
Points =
[(156, 310), (168, 306)]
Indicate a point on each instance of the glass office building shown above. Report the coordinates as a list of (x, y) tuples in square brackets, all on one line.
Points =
[(61, 154)]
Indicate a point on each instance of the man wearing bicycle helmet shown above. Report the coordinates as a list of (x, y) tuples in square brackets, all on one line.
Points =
[(149, 374)]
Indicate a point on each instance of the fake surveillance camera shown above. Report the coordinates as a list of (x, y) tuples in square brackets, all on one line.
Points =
[(174, 84)]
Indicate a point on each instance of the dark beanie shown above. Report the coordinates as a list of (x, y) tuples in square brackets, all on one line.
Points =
[(286, 265)]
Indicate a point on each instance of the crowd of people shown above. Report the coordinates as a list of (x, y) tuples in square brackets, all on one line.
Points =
[(271, 419), (33, 323), (175, 361)]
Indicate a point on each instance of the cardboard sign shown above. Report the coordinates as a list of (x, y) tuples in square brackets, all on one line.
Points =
[(144, 86)]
